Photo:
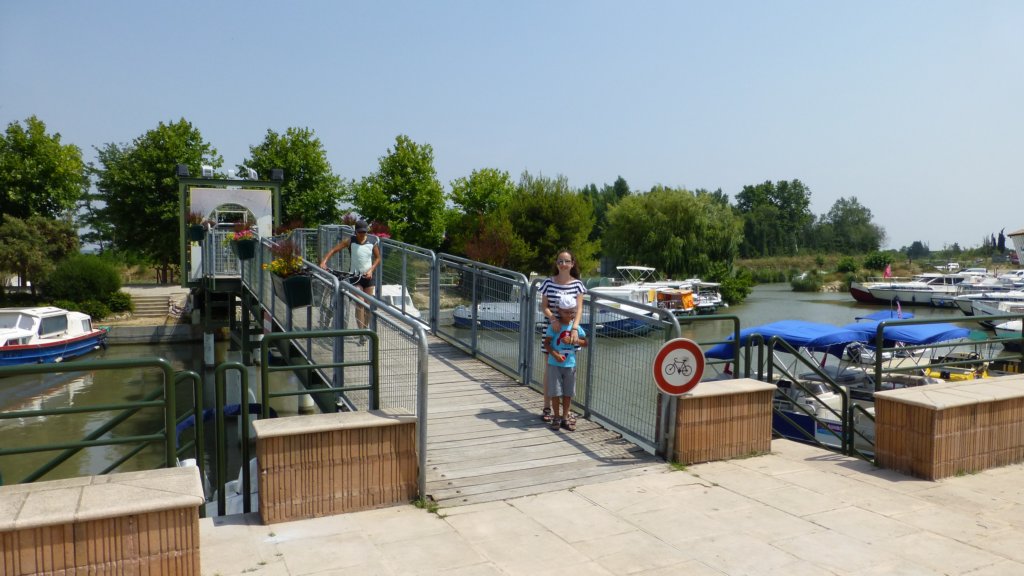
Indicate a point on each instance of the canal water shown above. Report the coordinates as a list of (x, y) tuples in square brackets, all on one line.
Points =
[(767, 303)]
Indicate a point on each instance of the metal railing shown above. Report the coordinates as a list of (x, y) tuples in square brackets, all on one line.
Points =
[(480, 309), (164, 399)]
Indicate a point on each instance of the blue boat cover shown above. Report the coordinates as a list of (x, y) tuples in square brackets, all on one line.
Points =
[(886, 315), (813, 336), (912, 335)]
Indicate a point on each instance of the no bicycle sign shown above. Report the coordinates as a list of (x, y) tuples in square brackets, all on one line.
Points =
[(678, 366)]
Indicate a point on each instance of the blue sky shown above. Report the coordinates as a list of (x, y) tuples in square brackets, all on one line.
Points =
[(916, 108)]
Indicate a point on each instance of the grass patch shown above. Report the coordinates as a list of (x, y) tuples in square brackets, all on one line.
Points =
[(428, 505)]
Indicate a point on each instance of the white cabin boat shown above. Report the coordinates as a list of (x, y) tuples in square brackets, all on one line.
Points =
[(45, 334)]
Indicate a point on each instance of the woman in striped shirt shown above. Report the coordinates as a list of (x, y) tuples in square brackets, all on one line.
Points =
[(565, 281)]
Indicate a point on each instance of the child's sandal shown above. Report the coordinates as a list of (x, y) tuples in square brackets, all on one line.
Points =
[(556, 423), (546, 415), (570, 422)]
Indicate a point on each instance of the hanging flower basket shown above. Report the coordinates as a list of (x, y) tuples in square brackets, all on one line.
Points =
[(296, 291), (196, 232), (244, 249)]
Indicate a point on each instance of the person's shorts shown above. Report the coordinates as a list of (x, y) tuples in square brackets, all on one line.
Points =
[(561, 381), (362, 281)]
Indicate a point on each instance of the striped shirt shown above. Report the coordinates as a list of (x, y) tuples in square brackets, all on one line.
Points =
[(552, 291)]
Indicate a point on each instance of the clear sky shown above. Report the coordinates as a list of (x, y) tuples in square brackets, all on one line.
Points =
[(916, 108)]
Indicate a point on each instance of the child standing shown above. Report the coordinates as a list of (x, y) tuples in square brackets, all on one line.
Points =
[(561, 368), (566, 281)]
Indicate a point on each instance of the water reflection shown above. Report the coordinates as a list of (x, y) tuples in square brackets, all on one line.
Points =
[(83, 389)]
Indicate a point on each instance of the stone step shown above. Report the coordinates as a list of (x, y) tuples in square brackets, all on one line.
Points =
[(150, 306)]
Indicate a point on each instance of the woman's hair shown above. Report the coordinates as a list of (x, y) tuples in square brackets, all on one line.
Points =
[(575, 270)]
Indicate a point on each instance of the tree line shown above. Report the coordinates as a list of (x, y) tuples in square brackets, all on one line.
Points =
[(128, 200)]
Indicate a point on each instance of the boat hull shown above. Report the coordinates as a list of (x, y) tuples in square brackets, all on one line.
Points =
[(51, 352), (861, 293), (608, 323)]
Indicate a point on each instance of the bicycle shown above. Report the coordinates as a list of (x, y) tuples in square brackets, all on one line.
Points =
[(326, 306), (680, 365)]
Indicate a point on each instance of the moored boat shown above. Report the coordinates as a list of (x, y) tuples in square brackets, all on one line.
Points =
[(613, 319), (1011, 331), (45, 334)]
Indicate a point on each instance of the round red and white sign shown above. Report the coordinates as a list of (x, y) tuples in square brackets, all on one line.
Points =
[(678, 366)]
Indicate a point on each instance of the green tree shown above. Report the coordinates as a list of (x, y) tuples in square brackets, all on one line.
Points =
[(917, 250), (674, 230), (602, 200), (477, 201), (139, 190), (38, 174), (495, 242), (405, 194), (850, 229), (30, 248), (548, 216), (311, 192), (777, 217)]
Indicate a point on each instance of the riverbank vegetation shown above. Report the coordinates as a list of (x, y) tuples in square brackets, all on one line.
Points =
[(127, 204)]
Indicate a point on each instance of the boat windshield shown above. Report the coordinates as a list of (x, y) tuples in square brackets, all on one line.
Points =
[(53, 325), (15, 320)]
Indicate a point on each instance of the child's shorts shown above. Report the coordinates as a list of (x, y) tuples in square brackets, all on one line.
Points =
[(561, 381)]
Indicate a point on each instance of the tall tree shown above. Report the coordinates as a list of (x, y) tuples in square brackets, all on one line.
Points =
[(852, 228), (602, 200), (138, 187), (311, 192), (548, 216), (674, 230), (405, 194), (777, 217), (476, 199), (38, 174), (30, 248)]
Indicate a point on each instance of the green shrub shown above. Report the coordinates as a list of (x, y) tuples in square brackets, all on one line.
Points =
[(65, 304), (809, 282), (847, 264), (735, 289), (98, 310), (877, 261), (120, 302), (765, 275), (83, 277)]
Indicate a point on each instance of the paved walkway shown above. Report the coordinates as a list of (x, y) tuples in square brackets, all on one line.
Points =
[(797, 511)]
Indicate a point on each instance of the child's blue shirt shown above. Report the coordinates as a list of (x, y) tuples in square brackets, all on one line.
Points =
[(560, 344)]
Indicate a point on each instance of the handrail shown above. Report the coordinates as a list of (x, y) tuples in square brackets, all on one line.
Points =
[(127, 410)]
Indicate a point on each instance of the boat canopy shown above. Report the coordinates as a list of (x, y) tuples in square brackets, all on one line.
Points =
[(813, 336), (910, 335), (886, 315)]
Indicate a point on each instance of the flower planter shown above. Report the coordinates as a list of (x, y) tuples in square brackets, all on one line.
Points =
[(296, 291), (196, 232), (244, 249)]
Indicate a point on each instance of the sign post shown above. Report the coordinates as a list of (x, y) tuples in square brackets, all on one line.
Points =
[(678, 366)]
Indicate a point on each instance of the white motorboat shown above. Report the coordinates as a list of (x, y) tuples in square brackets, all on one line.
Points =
[(44, 334), (1007, 303), (613, 319), (681, 297), (395, 296), (930, 289), (1010, 329)]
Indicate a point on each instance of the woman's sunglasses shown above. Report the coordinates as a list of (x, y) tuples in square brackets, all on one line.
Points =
[(564, 261)]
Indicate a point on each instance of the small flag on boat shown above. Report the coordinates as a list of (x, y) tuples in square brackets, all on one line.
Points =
[(888, 271)]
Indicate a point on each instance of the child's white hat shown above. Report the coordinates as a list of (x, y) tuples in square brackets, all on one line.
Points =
[(567, 302)]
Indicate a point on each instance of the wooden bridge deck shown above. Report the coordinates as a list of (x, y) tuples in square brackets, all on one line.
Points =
[(486, 441)]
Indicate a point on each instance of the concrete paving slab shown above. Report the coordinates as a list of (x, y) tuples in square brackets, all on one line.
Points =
[(667, 522)]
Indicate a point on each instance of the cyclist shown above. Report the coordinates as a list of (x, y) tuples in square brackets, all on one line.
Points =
[(365, 259)]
